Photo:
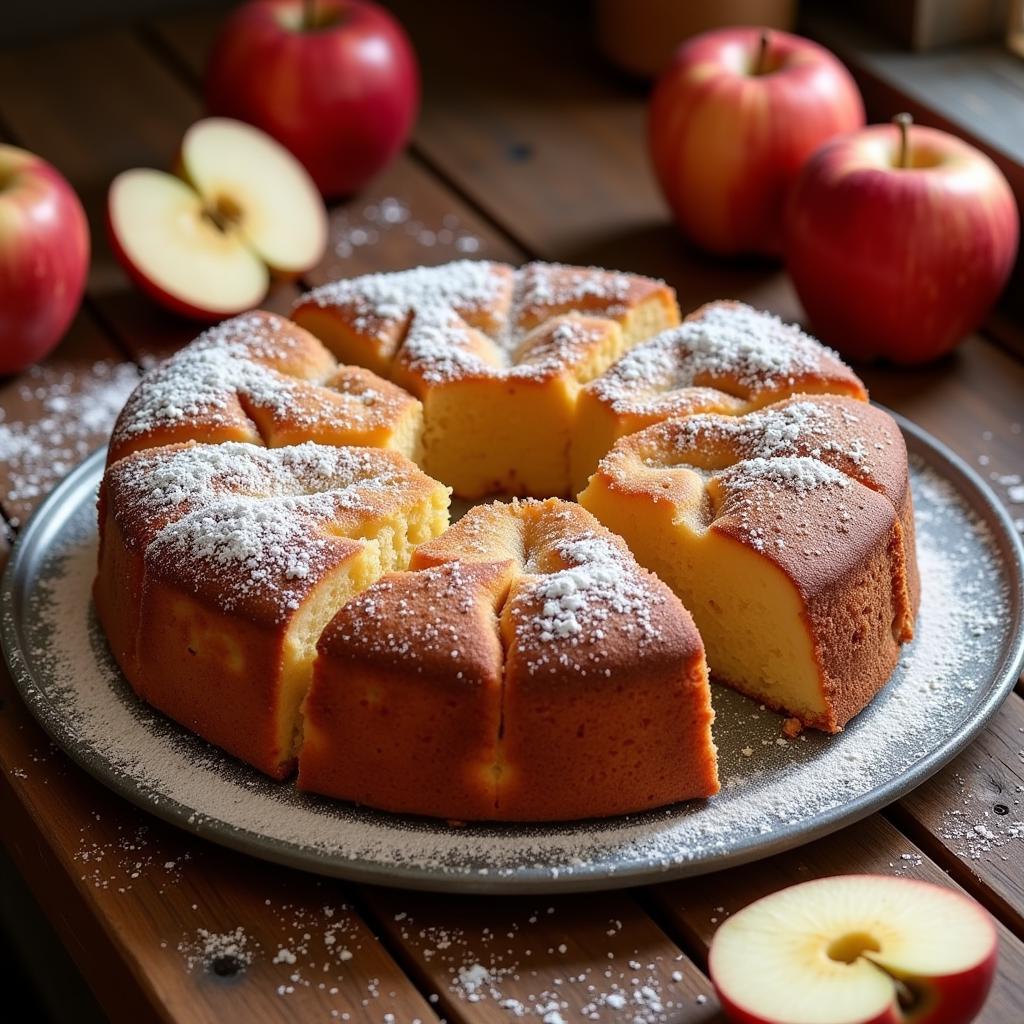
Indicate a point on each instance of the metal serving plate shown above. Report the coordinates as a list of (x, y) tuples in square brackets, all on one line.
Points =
[(777, 792)]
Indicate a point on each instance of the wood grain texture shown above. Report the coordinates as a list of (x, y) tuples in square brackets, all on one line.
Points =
[(696, 907), (583, 957), (41, 442), (95, 105), (149, 913), (970, 816)]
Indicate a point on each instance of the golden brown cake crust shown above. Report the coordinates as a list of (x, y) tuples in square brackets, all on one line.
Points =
[(470, 319), (724, 358), (405, 709), (724, 354), (604, 704), (250, 530), (261, 379), (220, 565), (818, 485)]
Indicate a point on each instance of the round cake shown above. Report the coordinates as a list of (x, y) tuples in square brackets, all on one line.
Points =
[(278, 574)]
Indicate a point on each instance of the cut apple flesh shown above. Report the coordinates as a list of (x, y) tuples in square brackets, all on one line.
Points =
[(259, 186), (174, 247), (854, 949)]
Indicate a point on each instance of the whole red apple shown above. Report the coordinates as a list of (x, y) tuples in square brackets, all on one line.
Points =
[(336, 81), (44, 257), (731, 123), (899, 238)]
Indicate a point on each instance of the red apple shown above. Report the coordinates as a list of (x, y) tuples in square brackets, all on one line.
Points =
[(731, 123), (856, 949), (899, 238), (44, 257), (336, 81), (205, 246)]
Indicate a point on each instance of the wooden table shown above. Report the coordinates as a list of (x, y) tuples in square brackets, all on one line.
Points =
[(527, 147)]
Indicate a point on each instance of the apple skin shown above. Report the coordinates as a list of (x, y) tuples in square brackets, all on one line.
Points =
[(954, 999), (44, 258), (727, 144), (946, 999), (894, 262), (342, 98)]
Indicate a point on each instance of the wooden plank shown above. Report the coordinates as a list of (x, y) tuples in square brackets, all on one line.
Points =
[(57, 412), (550, 144), (696, 907), (94, 105), (970, 816), (163, 924), (186, 39), (559, 958)]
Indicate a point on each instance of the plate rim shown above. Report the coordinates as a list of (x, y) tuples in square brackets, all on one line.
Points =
[(532, 879)]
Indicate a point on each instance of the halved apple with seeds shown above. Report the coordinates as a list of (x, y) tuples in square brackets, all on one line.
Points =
[(856, 949), (205, 244)]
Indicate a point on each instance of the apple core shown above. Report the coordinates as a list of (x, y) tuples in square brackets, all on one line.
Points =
[(851, 946)]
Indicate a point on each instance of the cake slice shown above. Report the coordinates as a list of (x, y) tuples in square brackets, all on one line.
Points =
[(261, 379), (496, 356), (788, 535), (220, 565), (525, 668), (405, 709), (725, 357)]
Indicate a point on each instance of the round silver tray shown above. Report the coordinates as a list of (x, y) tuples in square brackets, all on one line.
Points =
[(777, 792)]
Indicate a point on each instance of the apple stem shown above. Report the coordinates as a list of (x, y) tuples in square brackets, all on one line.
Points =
[(308, 15), (903, 122), (762, 52)]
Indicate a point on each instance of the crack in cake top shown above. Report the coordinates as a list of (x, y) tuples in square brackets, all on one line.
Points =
[(469, 317)]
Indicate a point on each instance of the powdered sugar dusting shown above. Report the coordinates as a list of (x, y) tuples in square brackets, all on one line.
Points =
[(600, 591), (71, 412), (433, 293), (470, 317), (769, 787), (798, 427), (793, 473), (252, 518), (254, 362), (730, 346)]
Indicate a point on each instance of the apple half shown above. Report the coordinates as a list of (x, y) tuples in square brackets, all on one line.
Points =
[(855, 949), (205, 244)]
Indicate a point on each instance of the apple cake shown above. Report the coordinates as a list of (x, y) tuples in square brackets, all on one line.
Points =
[(277, 571)]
